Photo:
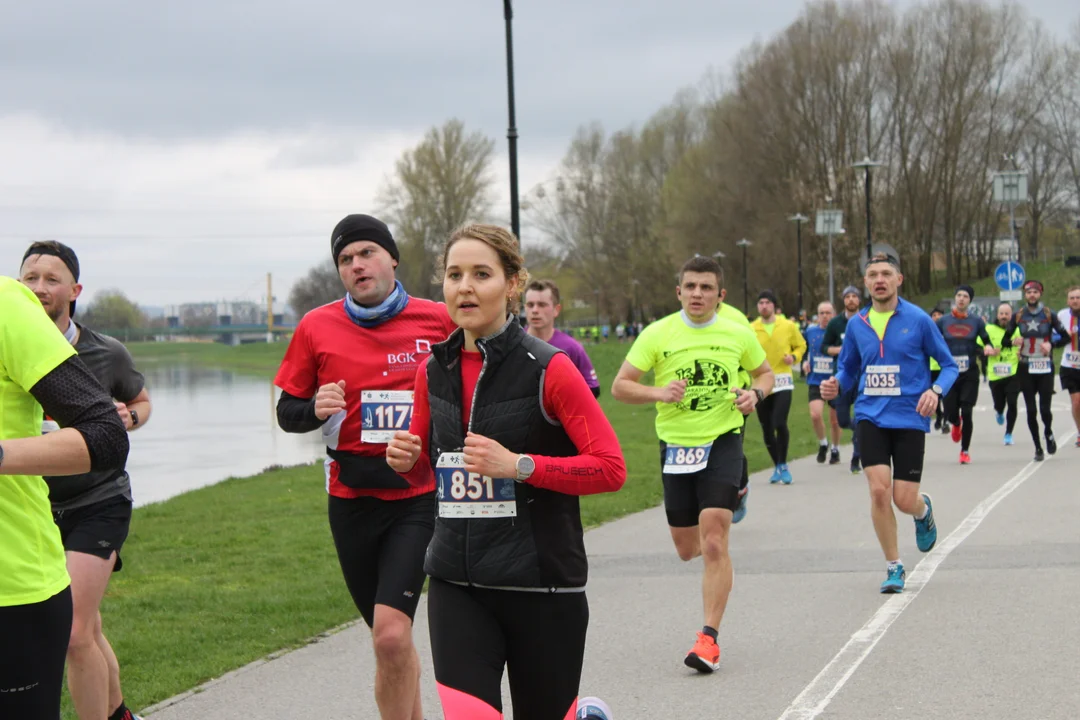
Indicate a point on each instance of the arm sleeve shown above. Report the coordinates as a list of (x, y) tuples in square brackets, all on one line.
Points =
[(984, 336), (1007, 337), (935, 347), (299, 371), (422, 473), (297, 415), (1064, 336), (849, 363), (799, 350), (72, 396), (129, 381), (599, 467)]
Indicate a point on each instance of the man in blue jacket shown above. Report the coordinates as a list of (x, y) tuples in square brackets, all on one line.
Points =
[(886, 356)]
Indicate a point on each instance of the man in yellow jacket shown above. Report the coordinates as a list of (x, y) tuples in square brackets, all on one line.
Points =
[(784, 347)]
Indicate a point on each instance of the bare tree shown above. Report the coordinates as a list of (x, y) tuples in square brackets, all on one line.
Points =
[(442, 183), (320, 286)]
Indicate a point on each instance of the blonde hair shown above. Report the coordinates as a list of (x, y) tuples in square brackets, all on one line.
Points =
[(505, 245)]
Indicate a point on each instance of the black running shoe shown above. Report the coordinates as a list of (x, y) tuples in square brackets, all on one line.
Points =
[(822, 452), (834, 456), (1051, 443), (1039, 457)]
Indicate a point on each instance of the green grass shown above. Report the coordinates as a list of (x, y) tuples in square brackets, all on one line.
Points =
[(224, 575), (1055, 277)]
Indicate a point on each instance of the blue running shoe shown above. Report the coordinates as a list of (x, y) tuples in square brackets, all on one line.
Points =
[(926, 529), (1008, 439), (1000, 419), (785, 474), (775, 476), (894, 581), (740, 512)]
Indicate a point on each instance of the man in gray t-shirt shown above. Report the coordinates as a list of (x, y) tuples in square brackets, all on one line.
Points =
[(92, 510)]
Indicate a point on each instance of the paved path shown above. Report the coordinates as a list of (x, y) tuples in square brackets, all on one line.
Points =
[(987, 628)]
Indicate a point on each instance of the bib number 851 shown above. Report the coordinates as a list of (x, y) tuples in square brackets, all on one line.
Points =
[(472, 486)]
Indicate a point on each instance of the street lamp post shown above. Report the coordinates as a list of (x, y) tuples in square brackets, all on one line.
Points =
[(720, 255), (829, 223), (799, 219), (744, 243), (511, 131), (866, 163)]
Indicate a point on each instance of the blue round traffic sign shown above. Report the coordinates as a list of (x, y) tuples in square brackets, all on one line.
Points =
[(1009, 275)]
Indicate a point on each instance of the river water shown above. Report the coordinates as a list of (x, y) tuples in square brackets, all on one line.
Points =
[(208, 425)]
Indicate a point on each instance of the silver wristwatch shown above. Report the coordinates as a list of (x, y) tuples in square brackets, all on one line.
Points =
[(525, 467)]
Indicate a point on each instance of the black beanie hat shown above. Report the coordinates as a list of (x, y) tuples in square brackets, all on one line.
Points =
[(968, 289), (354, 228), (62, 251), (768, 295)]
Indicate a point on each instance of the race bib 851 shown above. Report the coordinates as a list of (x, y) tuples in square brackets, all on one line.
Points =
[(464, 494)]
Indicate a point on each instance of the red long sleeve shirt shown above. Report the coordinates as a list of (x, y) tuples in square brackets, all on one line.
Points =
[(598, 468)]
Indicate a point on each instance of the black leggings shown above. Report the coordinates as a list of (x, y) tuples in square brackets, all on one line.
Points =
[(35, 642), (1005, 391), (955, 410), (1043, 387), (773, 413), (538, 637)]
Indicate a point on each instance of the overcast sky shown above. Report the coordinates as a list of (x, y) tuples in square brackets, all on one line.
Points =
[(186, 149)]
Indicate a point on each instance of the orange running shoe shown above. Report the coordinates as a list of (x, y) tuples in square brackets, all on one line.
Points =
[(705, 655)]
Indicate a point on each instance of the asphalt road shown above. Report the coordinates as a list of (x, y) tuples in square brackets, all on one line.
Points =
[(986, 629)]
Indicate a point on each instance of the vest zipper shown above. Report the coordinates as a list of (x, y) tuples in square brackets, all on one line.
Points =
[(468, 429)]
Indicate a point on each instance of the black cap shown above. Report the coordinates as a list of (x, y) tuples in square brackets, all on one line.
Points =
[(354, 228), (968, 289), (768, 295), (62, 251)]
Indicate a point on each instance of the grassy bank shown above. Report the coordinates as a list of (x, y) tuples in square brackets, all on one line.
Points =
[(224, 575), (1055, 277)]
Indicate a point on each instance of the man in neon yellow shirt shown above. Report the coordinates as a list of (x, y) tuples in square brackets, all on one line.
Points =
[(39, 372), (695, 357), (1001, 371), (784, 347)]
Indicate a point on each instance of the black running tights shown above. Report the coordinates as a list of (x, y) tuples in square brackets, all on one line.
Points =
[(773, 414), (34, 644)]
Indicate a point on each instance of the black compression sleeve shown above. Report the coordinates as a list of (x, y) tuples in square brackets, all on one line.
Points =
[(73, 397), (297, 415)]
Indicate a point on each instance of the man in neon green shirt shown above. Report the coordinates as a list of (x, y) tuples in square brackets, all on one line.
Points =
[(38, 369), (1001, 371), (695, 357)]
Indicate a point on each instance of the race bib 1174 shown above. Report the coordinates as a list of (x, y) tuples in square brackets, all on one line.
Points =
[(464, 494), (882, 380), (384, 412), (1002, 369), (1072, 358)]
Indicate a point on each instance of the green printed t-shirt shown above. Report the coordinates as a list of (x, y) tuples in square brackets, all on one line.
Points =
[(708, 358), (32, 567), (729, 312)]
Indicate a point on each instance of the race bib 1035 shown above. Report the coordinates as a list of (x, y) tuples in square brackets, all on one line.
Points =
[(882, 380)]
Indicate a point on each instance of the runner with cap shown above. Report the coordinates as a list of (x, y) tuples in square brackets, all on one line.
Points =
[(1070, 360), (1032, 330), (784, 347), (817, 367), (831, 344), (92, 510), (349, 371), (963, 333), (885, 357)]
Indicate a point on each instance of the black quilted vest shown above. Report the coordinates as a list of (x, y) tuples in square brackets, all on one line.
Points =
[(543, 546)]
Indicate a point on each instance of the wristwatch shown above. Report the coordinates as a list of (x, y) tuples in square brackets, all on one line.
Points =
[(937, 389), (525, 467), (760, 395), (134, 418)]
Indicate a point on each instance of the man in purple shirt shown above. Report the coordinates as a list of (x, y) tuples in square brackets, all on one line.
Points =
[(541, 308)]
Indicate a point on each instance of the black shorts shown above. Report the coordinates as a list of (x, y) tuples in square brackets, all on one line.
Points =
[(965, 390), (35, 643), (903, 450), (1070, 380), (715, 486), (381, 546), (99, 529), (813, 392)]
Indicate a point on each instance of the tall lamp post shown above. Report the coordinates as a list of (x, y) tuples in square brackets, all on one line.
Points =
[(511, 131), (744, 243), (866, 163), (799, 219), (720, 255)]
